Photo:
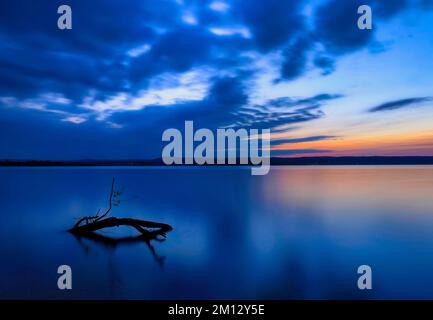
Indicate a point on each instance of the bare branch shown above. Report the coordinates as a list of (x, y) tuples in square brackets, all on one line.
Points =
[(109, 202), (89, 224)]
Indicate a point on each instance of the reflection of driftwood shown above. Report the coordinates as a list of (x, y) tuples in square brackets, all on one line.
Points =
[(90, 224), (111, 242)]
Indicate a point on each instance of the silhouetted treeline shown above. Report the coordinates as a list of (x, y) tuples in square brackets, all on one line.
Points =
[(276, 161)]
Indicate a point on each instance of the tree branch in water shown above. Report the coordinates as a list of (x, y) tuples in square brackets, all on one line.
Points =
[(90, 224)]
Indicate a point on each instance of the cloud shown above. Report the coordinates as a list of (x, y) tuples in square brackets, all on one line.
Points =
[(272, 23), (336, 23), (300, 140), (282, 111), (398, 104), (336, 26), (163, 90), (319, 98), (75, 119), (295, 59), (325, 63), (114, 48), (230, 31), (140, 68), (225, 95), (189, 18), (175, 51), (292, 152), (227, 105), (89, 56), (219, 6)]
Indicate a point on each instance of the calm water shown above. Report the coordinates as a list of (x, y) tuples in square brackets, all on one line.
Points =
[(299, 232)]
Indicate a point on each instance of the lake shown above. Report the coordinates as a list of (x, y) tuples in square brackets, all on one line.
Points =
[(296, 233)]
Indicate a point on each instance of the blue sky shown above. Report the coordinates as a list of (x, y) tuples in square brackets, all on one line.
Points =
[(127, 71)]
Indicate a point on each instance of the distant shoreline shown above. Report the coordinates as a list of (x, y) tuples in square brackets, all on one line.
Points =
[(275, 161)]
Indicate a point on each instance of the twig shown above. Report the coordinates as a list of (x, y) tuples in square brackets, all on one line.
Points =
[(109, 202)]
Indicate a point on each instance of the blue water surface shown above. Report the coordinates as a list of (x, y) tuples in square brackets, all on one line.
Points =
[(296, 233)]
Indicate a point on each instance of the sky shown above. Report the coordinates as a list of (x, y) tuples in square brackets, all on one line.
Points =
[(128, 70)]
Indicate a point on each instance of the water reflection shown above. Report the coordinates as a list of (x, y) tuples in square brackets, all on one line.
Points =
[(112, 243)]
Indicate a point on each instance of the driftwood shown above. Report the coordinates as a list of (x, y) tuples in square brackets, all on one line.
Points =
[(90, 224), (139, 225)]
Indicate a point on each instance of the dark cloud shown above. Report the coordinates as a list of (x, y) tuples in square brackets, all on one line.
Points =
[(272, 22), (101, 58), (36, 56), (337, 28), (99, 26), (315, 101), (295, 59), (320, 98), (38, 135), (300, 140), (228, 92), (398, 104), (93, 56), (293, 152), (226, 95), (175, 51), (336, 24), (325, 63), (263, 116), (282, 111), (227, 105)]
